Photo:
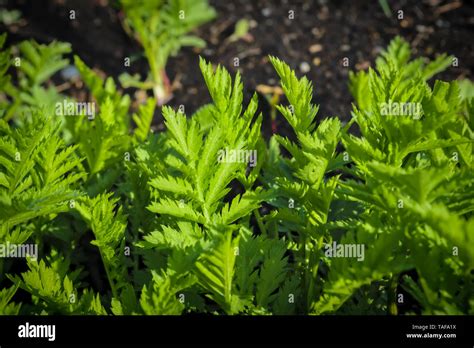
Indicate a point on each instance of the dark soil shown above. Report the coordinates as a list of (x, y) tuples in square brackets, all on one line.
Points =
[(321, 34)]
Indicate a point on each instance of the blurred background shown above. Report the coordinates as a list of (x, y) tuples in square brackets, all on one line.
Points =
[(315, 42)]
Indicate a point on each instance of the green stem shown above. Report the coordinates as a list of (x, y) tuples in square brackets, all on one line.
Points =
[(305, 264), (107, 272), (260, 223), (314, 273), (392, 295), (386, 8)]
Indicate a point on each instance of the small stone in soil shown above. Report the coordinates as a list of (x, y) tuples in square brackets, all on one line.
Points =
[(423, 29), (362, 65), (318, 33), (315, 48), (404, 23), (345, 48), (304, 67), (271, 82), (442, 24), (266, 12), (70, 72), (317, 61), (208, 52)]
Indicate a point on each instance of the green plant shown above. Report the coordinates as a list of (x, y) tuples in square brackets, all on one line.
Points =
[(385, 7), (209, 217), (9, 17), (162, 28), (36, 63)]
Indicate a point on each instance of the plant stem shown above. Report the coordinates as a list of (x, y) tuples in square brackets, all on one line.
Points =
[(314, 273), (385, 7), (305, 276), (107, 271), (392, 295), (260, 223), (162, 87)]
